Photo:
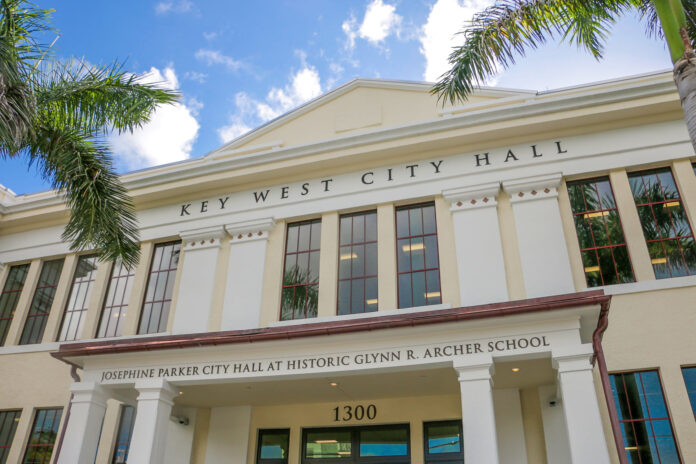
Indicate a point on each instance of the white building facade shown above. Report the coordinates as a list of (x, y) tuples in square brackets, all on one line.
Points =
[(374, 278)]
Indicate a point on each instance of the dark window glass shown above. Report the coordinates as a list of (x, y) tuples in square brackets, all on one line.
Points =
[(76, 309), (300, 297), (418, 263), (41, 303), (160, 285), (602, 243), (690, 381), (43, 436), (665, 225), (357, 263), (125, 432), (273, 446), (360, 445), (443, 441), (644, 419), (116, 302), (9, 298), (8, 427)]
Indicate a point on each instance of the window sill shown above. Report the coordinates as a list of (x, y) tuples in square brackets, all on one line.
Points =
[(649, 285), (390, 312)]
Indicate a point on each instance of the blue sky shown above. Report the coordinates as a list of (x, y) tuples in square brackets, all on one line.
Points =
[(239, 64)]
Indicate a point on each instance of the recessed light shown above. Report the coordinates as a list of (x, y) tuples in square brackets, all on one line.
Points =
[(515, 369), (181, 393), (333, 384)]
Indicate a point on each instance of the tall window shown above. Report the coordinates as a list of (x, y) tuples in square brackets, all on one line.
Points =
[(125, 433), (357, 263), (116, 301), (665, 225), (417, 256), (602, 243), (300, 297), (273, 446), (645, 424), (9, 298), (689, 374), (160, 285), (443, 442), (41, 303), (43, 436), (8, 427), (76, 309)]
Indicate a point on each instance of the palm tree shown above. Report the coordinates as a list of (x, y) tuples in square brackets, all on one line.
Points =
[(506, 30), (57, 114)]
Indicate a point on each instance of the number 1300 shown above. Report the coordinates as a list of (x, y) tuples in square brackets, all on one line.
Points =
[(358, 412)]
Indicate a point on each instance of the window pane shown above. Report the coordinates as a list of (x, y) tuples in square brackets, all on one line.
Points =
[(43, 436), (8, 427), (690, 381), (124, 435), (384, 442), (9, 298), (443, 438), (357, 262), (41, 302), (76, 309), (599, 232), (301, 274), (160, 286), (665, 226), (116, 301), (329, 444), (273, 444)]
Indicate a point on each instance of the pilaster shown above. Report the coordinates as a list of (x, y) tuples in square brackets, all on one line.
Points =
[(386, 258), (155, 401), (88, 405), (328, 265), (478, 245)]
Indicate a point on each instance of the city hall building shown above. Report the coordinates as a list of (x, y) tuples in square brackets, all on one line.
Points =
[(374, 278)]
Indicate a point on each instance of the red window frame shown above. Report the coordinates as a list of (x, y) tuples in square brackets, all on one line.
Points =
[(663, 203), (603, 212), (37, 441), (429, 300), (74, 312), (10, 297), (116, 301), (150, 300), (303, 312), (41, 302), (650, 419), (363, 278), (8, 427)]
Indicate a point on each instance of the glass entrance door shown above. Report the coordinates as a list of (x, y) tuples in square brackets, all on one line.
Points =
[(375, 444)]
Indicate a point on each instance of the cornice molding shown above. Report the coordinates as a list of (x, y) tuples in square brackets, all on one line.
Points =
[(246, 231), (533, 188), (472, 197)]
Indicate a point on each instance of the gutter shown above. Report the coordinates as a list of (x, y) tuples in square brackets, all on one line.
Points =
[(602, 325)]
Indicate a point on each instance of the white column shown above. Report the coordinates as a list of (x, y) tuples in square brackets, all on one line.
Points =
[(579, 401), (193, 305), (477, 242), (478, 414), (88, 406), (241, 308), (155, 400), (543, 250)]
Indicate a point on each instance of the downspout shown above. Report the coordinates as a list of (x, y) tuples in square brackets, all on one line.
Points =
[(602, 325), (76, 378)]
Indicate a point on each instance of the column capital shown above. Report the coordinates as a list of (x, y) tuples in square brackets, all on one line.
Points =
[(573, 360), (474, 196), (533, 188), (246, 231), (473, 368), (156, 389), (199, 239), (88, 392)]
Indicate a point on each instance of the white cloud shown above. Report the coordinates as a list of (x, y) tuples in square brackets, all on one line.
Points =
[(210, 35), (170, 134), (380, 21), (182, 6), (195, 76), (304, 85), (439, 34), (211, 57)]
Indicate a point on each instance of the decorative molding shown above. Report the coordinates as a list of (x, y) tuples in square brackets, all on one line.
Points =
[(578, 360), (246, 231), (533, 188), (477, 367), (200, 239), (475, 196)]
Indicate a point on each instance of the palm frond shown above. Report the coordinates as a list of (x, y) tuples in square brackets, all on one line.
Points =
[(653, 27), (98, 99), (499, 34), (102, 216)]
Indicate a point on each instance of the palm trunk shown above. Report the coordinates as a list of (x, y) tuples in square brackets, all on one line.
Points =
[(685, 78)]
